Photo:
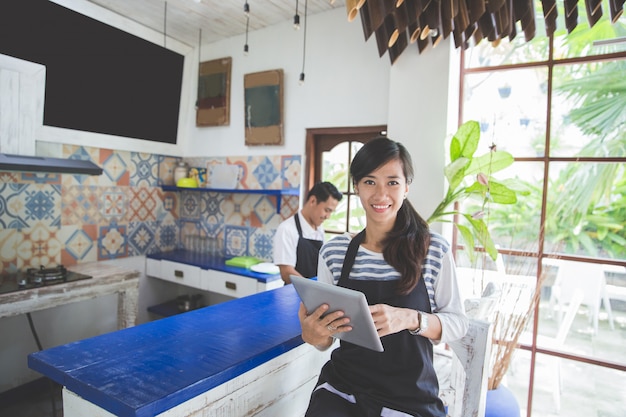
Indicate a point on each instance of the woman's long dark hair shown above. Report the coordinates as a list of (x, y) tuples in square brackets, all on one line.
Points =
[(406, 245)]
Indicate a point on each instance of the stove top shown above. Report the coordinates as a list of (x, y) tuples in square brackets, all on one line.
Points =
[(35, 278)]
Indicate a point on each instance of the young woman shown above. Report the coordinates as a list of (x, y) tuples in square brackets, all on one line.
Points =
[(407, 274)]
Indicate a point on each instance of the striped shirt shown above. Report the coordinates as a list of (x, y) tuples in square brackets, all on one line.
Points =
[(438, 271)]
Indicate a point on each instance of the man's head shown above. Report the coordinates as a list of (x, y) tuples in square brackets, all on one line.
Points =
[(320, 203)]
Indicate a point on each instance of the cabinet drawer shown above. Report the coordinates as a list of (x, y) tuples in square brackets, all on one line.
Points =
[(153, 268), (228, 284), (180, 273)]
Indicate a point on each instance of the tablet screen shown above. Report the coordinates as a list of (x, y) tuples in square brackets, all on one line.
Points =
[(352, 303)]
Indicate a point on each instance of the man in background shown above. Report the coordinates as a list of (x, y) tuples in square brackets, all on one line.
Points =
[(298, 239)]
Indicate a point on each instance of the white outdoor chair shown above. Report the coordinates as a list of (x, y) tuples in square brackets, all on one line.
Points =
[(587, 277)]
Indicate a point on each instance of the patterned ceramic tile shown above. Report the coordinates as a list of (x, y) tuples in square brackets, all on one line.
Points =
[(264, 210), (10, 176), (113, 203), (289, 206), (115, 166), (260, 244), (290, 170), (190, 205), (167, 233), (40, 178), (22, 205), (236, 241), (266, 174), (83, 153), (168, 204), (42, 203), (166, 169), (141, 237), (10, 240), (79, 244), (142, 204), (144, 169), (12, 206), (40, 247), (119, 214), (80, 205), (112, 241)]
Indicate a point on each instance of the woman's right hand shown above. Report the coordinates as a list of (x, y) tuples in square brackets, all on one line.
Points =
[(318, 329)]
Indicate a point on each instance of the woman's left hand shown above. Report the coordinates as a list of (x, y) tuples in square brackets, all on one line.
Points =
[(389, 320)]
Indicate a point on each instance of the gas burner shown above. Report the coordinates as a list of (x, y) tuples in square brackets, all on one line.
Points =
[(41, 275), (36, 278)]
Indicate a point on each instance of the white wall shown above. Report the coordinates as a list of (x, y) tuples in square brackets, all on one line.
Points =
[(346, 83)]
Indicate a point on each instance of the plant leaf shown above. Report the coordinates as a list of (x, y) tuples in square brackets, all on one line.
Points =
[(489, 163), (468, 136), (468, 239), (455, 172)]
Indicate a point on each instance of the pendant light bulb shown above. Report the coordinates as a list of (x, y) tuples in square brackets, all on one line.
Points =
[(246, 8), (296, 21), (301, 78), (245, 49)]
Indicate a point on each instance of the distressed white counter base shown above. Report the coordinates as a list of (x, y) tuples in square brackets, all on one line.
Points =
[(279, 387)]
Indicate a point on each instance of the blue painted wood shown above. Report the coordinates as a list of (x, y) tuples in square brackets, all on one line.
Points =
[(148, 369), (206, 261)]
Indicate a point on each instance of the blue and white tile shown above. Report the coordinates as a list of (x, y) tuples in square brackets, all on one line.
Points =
[(235, 240)]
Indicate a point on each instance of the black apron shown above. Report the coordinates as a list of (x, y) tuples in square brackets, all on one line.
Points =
[(307, 253), (402, 377)]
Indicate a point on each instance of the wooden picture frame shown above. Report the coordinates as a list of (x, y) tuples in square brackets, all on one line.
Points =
[(263, 101), (213, 103)]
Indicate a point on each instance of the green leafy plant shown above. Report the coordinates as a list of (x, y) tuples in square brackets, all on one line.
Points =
[(471, 177)]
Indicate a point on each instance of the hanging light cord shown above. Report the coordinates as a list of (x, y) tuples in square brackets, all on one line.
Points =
[(304, 42), (199, 45), (165, 26)]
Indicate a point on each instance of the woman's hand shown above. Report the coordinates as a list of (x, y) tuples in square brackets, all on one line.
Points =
[(318, 330), (389, 320)]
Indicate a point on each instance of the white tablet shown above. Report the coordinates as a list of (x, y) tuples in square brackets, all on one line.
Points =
[(353, 303)]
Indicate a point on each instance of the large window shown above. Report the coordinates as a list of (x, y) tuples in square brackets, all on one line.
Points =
[(559, 106)]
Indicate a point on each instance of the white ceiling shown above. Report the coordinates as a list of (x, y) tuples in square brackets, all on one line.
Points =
[(218, 19)]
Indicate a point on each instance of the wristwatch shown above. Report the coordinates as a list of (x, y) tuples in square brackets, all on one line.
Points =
[(423, 324)]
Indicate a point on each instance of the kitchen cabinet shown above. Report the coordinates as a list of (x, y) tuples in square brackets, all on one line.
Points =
[(209, 273), (277, 193), (180, 273)]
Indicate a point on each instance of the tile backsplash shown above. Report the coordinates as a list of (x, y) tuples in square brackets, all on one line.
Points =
[(51, 219)]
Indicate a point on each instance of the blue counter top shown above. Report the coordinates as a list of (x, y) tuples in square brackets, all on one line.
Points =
[(148, 369), (206, 261)]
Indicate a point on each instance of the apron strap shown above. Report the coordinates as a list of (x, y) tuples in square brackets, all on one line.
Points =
[(348, 261), (297, 219)]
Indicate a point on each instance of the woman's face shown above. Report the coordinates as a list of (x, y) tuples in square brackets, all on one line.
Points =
[(382, 192)]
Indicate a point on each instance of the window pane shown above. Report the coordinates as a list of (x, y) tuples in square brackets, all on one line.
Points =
[(513, 226), (588, 111), (357, 215), (511, 108), (335, 166), (586, 210), (337, 221)]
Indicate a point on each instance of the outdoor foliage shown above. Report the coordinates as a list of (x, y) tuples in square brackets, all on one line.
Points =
[(471, 177)]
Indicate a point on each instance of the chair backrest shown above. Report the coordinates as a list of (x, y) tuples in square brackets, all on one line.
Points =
[(568, 319), (467, 393), (587, 277)]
